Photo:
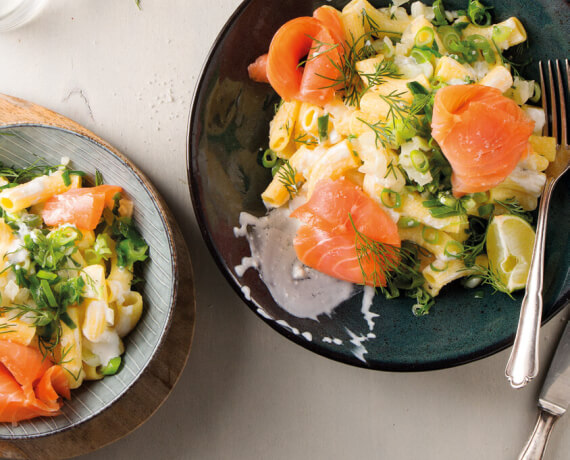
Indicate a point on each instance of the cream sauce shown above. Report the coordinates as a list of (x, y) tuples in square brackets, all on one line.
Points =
[(299, 290)]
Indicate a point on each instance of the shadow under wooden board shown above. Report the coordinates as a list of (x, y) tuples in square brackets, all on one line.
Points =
[(158, 379)]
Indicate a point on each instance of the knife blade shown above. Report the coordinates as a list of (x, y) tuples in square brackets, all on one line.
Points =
[(553, 399)]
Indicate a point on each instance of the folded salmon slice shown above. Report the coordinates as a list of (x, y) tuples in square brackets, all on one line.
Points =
[(482, 133), (30, 385), (328, 240)]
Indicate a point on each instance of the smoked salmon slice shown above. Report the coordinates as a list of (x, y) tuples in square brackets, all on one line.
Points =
[(29, 384), (81, 207), (257, 70), (327, 241), (482, 133), (305, 40)]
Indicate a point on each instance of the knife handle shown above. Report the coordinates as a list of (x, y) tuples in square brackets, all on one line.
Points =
[(536, 445)]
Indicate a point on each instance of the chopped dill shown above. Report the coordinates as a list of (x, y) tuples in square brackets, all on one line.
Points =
[(287, 175), (512, 206), (395, 270), (307, 139)]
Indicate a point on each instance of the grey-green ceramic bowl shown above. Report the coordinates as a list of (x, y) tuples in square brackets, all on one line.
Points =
[(24, 144), (229, 124)]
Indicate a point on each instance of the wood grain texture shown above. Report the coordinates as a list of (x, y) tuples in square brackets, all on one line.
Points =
[(159, 378)]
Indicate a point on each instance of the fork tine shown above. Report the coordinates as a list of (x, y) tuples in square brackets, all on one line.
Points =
[(553, 104), (562, 104), (563, 123), (545, 130)]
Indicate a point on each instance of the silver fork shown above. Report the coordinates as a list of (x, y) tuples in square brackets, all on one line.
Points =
[(523, 362)]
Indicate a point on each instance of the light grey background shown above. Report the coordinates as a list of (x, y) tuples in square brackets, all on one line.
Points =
[(247, 392)]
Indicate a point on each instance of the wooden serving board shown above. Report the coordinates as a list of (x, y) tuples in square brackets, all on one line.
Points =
[(159, 378)]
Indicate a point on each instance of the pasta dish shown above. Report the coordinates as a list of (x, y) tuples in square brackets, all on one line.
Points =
[(405, 147), (67, 255)]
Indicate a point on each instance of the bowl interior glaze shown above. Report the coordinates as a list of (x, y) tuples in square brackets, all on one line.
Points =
[(229, 124)]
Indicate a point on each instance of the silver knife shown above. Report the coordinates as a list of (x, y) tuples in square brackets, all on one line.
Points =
[(553, 400)]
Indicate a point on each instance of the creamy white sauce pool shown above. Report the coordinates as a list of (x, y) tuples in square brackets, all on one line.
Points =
[(299, 290)]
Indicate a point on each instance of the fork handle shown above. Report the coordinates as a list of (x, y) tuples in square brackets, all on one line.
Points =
[(536, 445), (523, 362)]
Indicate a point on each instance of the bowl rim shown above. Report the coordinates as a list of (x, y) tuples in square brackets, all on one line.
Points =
[(192, 130), (163, 213)]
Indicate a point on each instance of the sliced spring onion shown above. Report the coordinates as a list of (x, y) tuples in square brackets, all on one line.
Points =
[(501, 33), (112, 366), (390, 199), (439, 269), (472, 281), (430, 235), (66, 319), (478, 13), (448, 200), (323, 127), (65, 235), (480, 43), (450, 38), (269, 158), (419, 161), (537, 93), (424, 37), (439, 13), (420, 55), (45, 275), (480, 197), (48, 293), (407, 222), (486, 210), (479, 294), (453, 249)]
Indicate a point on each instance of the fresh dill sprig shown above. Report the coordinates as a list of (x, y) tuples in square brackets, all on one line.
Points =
[(491, 277), (373, 25), (512, 206), (384, 134), (394, 269), (287, 175), (382, 71), (307, 139), (475, 243)]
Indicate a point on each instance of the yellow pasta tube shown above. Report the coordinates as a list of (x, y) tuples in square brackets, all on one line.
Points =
[(307, 121), (448, 69), (517, 32), (375, 21), (504, 192), (276, 194), (282, 127), (354, 29), (439, 243), (118, 281), (336, 161), (412, 207), (372, 102), (498, 77), (95, 321), (16, 330), (91, 372), (544, 146), (129, 312), (94, 278), (36, 191), (71, 349)]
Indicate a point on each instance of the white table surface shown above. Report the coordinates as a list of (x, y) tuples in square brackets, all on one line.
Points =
[(247, 392)]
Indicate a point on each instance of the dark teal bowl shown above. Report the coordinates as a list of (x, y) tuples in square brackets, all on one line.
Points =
[(229, 124)]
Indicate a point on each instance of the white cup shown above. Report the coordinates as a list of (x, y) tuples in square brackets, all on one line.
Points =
[(14, 13)]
